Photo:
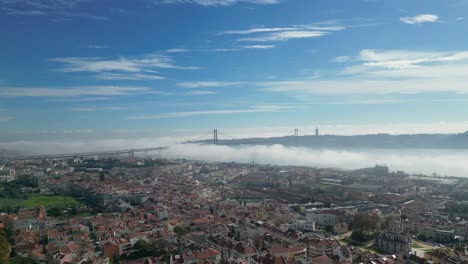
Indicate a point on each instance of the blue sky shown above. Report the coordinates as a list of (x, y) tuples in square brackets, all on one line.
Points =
[(157, 66)]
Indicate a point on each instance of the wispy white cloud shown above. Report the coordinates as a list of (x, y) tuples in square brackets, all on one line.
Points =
[(97, 46), (285, 33), (200, 92), (459, 18), (99, 108), (131, 76), (225, 49), (418, 19), (255, 109), (341, 59), (368, 101), (65, 9), (87, 64), (159, 93), (73, 91), (218, 2), (207, 84), (81, 99), (363, 85), (319, 26), (123, 64), (182, 50), (78, 131), (387, 72), (400, 59), (44, 4), (259, 47), (375, 72), (273, 107), (258, 30), (178, 50), (18, 12)]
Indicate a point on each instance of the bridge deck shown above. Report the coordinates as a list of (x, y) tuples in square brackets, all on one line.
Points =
[(83, 154)]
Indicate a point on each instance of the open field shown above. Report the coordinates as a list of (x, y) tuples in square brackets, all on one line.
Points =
[(416, 245), (420, 247), (36, 200)]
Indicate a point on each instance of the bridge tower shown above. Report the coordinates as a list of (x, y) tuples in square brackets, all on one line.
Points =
[(131, 154), (215, 136)]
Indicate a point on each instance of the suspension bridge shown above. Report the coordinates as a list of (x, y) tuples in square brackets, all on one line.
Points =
[(211, 137)]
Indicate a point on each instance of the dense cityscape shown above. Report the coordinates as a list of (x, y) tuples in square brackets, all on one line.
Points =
[(143, 210)]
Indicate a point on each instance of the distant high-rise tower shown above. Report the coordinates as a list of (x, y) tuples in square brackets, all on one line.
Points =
[(316, 132)]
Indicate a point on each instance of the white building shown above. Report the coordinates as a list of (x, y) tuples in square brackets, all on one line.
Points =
[(7, 178), (7, 175), (322, 219), (303, 226)]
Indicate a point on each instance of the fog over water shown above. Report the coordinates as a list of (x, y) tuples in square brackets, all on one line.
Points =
[(428, 161)]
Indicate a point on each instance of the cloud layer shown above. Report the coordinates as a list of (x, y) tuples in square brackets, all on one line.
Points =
[(414, 161), (219, 2), (387, 72), (254, 109), (123, 64), (58, 8), (73, 91)]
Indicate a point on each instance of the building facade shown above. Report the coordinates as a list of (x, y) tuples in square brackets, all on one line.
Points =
[(393, 240)]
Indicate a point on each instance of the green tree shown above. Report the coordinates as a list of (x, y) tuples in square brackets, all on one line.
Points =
[(23, 260), (54, 211), (102, 177), (367, 224), (360, 236), (8, 234), (180, 231), (299, 209), (158, 247), (73, 210), (422, 237), (4, 248), (44, 240), (142, 249), (115, 259)]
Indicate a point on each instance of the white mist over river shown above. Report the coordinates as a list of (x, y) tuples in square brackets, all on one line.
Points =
[(427, 161)]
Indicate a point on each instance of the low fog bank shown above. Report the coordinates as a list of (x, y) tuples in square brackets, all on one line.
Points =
[(83, 145), (444, 162)]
